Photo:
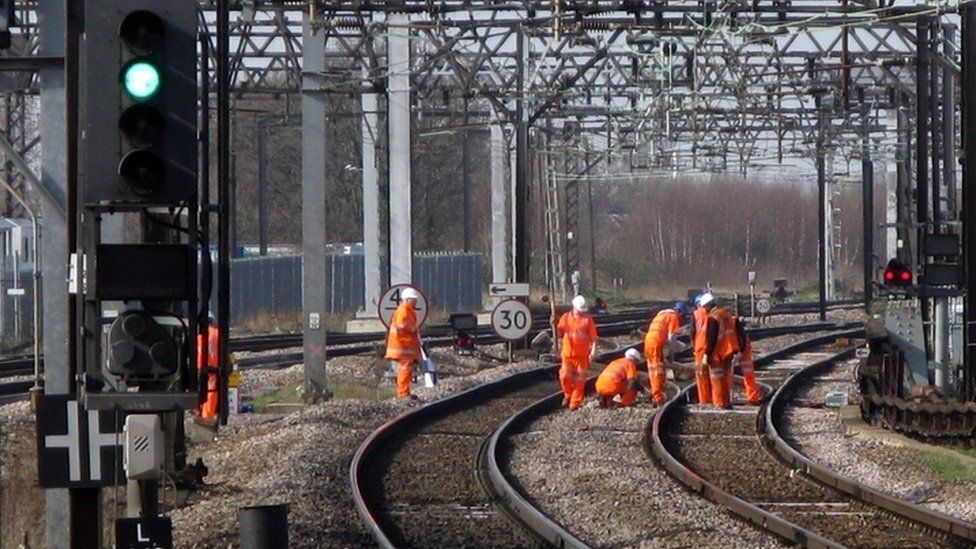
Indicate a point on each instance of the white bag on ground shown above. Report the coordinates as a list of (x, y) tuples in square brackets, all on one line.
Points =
[(430, 371)]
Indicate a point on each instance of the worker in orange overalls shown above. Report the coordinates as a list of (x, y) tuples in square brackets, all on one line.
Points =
[(662, 331), (619, 378), (746, 365), (720, 347), (577, 331), (699, 335), (208, 362), (403, 341)]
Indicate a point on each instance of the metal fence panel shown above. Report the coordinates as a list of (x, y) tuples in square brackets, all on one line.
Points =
[(273, 285)]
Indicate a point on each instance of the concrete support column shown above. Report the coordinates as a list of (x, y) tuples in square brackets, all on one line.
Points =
[(499, 264), (398, 51), (371, 207), (314, 305)]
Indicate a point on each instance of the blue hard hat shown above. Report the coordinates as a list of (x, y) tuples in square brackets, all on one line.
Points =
[(681, 307)]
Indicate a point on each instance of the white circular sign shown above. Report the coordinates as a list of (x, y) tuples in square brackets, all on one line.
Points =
[(763, 306), (391, 300), (511, 319)]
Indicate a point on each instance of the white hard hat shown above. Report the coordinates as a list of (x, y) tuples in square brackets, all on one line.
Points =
[(409, 293), (706, 299), (632, 354), (579, 303)]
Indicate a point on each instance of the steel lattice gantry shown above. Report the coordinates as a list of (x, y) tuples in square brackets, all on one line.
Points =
[(701, 85)]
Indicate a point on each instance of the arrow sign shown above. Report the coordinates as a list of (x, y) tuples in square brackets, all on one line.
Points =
[(509, 289)]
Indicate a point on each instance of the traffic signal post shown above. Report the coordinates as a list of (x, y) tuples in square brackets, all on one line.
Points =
[(137, 291)]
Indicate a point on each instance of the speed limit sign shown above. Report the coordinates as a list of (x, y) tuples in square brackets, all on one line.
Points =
[(511, 319), (391, 300), (763, 306)]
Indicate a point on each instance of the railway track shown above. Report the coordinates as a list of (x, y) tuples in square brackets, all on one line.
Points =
[(746, 465), (407, 499)]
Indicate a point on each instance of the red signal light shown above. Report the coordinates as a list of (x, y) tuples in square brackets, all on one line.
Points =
[(897, 274)]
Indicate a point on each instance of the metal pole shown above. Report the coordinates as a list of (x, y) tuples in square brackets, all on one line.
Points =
[(465, 184), (867, 206), (84, 507), (206, 267), (263, 187), (921, 141), (949, 125), (223, 198), (941, 341), (967, 103), (822, 232), (936, 135), (521, 205), (589, 207), (822, 206)]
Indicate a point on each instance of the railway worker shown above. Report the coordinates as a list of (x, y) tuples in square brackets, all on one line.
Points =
[(619, 378), (746, 365), (699, 336), (208, 364), (403, 341), (662, 331), (577, 332), (721, 345)]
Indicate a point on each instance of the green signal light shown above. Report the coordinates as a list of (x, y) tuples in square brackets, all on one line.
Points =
[(141, 79)]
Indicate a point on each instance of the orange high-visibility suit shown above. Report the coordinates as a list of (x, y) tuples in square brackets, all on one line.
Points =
[(618, 378), (403, 345), (700, 341), (746, 365), (722, 345), (578, 334), (209, 361), (659, 333)]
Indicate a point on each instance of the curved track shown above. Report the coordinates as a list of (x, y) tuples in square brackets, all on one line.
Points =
[(407, 498), (719, 455), (413, 480)]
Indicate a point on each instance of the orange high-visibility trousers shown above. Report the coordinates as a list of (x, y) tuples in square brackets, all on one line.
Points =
[(719, 381), (703, 384), (747, 367), (656, 376), (607, 388), (404, 374), (208, 410), (572, 380)]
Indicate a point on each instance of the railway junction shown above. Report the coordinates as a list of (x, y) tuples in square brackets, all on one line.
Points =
[(121, 131)]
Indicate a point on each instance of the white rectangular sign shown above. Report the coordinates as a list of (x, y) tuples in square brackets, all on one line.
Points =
[(15, 291), (509, 289)]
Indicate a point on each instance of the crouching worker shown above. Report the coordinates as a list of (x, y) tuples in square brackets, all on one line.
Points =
[(619, 378)]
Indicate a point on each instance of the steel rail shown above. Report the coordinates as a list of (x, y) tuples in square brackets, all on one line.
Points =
[(510, 501), (654, 446), (359, 468), (774, 439)]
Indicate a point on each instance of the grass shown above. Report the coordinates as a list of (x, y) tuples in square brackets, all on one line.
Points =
[(341, 389), (949, 468)]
